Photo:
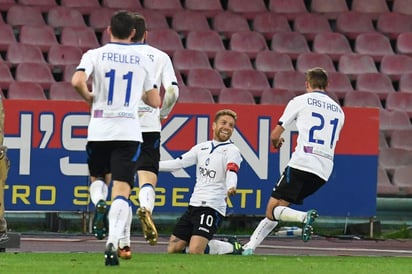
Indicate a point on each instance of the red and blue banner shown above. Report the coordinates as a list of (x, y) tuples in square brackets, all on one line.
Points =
[(46, 146)]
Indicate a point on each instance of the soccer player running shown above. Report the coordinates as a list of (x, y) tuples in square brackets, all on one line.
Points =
[(150, 120), (319, 120), (121, 78), (217, 163)]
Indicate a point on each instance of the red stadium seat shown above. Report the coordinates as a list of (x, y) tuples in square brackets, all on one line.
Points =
[(252, 80), (310, 24), (18, 53), (99, 19), (362, 99), (84, 6), (354, 64), (6, 78), (154, 20), (131, 5), (165, 39), (206, 41), (187, 59), (5, 5), (249, 42), (26, 91), (290, 8), (227, 62), (227, 23), (41, 5), (374, 44), (60, 17), (38, 73), (390, 158), (291, 43), (307, 61), (290, 80), (392, 24), (19, 15), (235, 96), (372, 8), (376, 82), (195, 95), (396, 65), (7, 36), (385, 187), (60, 56), (400, 101), (391, 121), (401, 139), (339, 83), (405, 83), (168, 8), (333, 44), (64, 91), (269, 23), (40, 36), (402, 6), (402, 178), (271, 62), (404, 43), (185, 21), (248, 9), (383, 143), (81, 37), (330, 9), (205, 78), (351, 24), (209, 8), (273, 96)]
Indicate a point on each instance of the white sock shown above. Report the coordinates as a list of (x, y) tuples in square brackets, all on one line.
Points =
[(98, 191), (125, 237), (118, 215), (147, 197), (261, 232), (220, 247), (287, 214)]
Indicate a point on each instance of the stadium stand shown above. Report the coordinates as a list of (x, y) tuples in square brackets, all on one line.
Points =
[(291, 43), (310, 24), (273, 96), (6, 78), (26, 91), (60, 17), (227, 23), (248, 9), (271, 62), (195, 95), (39, 73), (333, 44), (185, 21), (81, 37), (269, 23), (306, 61), (206, 41), (377, 82), (18, 53), (252, 80), (249, 42), (402, 178), (18, 16), (168, 8), (226, 62), (7, 36), (60, 56), (290, 8), (351, 24), (401, 101), (63, 91), (401, 139), (99, 18), (373, 8), (40, 36), (209, 8), (402, 6), (339, 84), (405, 83), (362, 99), (205, 78), (393, 121), (84, 6), (235, 96), (404, 43), (392, 24), (5, 5), (396, 65), (373, 44), (42, 5), (154, 20), (355, 64), (385, 186), (289, 80), (187, 59), (167, 40), (330, 9), (390, 158), (132, 5)]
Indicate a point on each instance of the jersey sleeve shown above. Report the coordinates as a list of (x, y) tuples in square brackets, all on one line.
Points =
[(291, 112), (185, 160), (86, 63)]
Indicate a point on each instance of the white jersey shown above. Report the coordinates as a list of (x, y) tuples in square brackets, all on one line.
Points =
[(163, 75), (120, 75), (211, 159), (319, 120)]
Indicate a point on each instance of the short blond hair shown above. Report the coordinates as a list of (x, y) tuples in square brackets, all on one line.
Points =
[(225, 112)]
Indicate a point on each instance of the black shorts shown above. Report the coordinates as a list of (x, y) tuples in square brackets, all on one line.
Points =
[(116, 157), (150, 152), (295, 185), (201, 221)]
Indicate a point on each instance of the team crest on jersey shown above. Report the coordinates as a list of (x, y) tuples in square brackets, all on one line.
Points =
[(207, 161)]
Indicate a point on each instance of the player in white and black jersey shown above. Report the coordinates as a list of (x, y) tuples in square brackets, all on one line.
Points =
[(121, 78), (150, 120), (319, 120), (217, 163)]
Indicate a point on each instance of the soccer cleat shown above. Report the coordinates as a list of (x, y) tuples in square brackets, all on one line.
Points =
[(307, 230), (110, 256), (124, 253), (100, 223), (149, 228), (247, 252), (237, 246), (4, 237)]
